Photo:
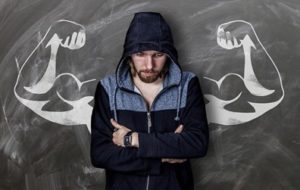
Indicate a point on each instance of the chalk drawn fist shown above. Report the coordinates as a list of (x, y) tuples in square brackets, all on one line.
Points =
[(234, 34), (68, 34), (76, 41)]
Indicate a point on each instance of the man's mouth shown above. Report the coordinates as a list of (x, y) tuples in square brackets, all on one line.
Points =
[(149, 73)]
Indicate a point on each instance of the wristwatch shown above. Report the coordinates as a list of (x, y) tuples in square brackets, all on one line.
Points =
[(128, 139)]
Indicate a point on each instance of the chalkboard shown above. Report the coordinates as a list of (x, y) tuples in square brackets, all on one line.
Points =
[(245, 53)]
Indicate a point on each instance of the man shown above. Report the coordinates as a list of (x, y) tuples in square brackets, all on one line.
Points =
[(149, 117)]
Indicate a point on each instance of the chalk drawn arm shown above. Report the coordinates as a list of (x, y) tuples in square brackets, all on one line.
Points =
[(236, 34), (261, 76), (62, 34)]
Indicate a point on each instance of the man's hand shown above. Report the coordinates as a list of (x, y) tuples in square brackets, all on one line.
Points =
[(179, 129), (120, 132), (175, 160)]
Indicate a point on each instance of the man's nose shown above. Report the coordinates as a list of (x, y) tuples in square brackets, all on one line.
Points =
[(149, 63)]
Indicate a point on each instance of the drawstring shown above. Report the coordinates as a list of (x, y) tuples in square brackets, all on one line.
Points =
[(177, 118), (115, 105)]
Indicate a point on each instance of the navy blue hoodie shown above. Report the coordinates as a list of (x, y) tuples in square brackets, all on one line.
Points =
[(179, 102)]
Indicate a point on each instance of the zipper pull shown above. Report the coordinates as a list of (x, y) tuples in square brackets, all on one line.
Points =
[(149, 119)]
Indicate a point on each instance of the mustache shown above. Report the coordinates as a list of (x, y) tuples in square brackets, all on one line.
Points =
[(149, 71)]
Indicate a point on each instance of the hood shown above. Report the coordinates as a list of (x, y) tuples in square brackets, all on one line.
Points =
[(148, 31)]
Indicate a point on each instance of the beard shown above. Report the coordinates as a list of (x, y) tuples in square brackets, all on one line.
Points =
[(148, 76)]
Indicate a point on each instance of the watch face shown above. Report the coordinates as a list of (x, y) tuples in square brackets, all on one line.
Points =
[(127, 140)]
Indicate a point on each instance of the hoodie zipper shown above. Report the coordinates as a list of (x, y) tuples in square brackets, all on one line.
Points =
[(149, 130), (149, 123)]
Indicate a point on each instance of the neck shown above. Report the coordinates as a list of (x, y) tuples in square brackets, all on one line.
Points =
[(138, 82)]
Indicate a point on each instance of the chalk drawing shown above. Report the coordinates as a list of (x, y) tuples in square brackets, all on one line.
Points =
[(227, 39), (81, 111)]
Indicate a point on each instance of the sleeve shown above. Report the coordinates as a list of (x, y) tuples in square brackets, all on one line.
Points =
[(104, 153), (191, 142)]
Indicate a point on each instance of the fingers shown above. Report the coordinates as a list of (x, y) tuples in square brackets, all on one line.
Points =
[(116, 142), (177, 161), (75, 41), (179, 129), (73, 38), (221, 38), (115, 124), (173, 160), (228, 39), (119, 132), (81, 38), (165, 160)]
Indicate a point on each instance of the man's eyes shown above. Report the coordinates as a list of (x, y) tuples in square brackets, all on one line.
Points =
[(141, 54), (158, 54)]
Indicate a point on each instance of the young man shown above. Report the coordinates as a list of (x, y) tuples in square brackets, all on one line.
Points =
[(149, 117)]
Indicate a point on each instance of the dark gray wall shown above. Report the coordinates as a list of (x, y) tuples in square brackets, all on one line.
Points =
[(258, 150)]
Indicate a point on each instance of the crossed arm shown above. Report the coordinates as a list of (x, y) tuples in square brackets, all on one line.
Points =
[(150, 149), (118, 139)]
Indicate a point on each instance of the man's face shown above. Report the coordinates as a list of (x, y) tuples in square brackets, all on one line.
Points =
[(149, 65)]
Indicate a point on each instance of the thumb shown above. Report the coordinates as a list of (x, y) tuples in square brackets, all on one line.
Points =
[(115, 124), (179, 129)]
